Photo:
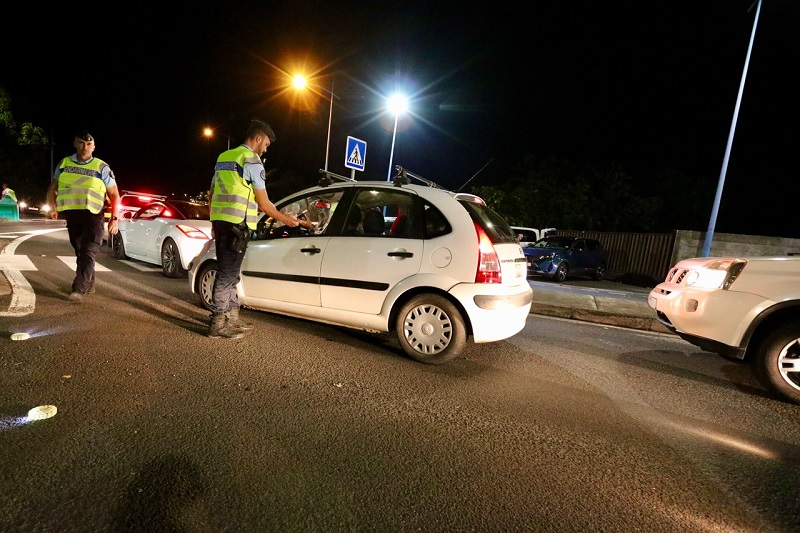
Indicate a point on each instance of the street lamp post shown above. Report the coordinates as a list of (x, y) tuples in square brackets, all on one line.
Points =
[(208, 132), (721, 183), (301, 82), (397, 104)]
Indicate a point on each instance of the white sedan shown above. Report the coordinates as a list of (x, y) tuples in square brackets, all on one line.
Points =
[(169, 233)]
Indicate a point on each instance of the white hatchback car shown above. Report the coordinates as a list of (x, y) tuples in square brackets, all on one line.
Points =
[(169, 233), (433, 266), (745, 308)]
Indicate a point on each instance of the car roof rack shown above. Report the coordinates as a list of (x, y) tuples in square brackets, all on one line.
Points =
[(403, 177), (329, 178)]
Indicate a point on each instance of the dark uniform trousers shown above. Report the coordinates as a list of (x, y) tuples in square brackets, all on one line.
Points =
[(229, 264), (85, 231)]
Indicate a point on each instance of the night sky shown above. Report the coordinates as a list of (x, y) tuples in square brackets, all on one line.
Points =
[(643, 85)]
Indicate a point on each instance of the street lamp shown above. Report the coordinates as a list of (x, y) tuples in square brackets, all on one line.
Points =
[(721, 183), (300, 82), (208, 132), (397, 103)]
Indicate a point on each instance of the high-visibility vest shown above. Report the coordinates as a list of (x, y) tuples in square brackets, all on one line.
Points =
[(9, 193), (233, 200), (80, 186)]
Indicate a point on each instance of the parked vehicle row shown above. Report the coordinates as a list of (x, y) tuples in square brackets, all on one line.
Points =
[(557, 257)]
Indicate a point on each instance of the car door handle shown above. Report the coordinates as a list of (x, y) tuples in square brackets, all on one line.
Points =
[(313, 250), (400, 254)]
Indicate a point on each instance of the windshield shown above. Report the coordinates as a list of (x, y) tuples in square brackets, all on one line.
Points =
[(553, 242)]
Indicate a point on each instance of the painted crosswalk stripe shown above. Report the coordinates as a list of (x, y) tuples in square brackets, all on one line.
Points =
[(71, 262)]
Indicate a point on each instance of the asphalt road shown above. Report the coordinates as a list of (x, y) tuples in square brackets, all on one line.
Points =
[(567, 426)]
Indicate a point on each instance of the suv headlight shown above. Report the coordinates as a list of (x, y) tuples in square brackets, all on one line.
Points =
[(717, 274)]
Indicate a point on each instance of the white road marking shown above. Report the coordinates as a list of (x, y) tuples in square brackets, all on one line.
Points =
[(72, 262), (23, 299)]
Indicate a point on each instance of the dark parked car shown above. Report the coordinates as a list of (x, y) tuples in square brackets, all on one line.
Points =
[(557, 257)]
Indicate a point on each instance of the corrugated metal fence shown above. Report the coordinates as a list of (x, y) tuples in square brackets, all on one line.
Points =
[(641, 254)]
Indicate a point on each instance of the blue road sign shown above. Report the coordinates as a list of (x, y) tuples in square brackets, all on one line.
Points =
[(356, 154)]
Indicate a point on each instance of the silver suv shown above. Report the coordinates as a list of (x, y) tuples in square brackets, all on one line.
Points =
[(745, 308), (433, 266)]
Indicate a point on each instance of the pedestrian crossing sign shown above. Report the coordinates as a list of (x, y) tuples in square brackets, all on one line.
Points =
[(356, 155)]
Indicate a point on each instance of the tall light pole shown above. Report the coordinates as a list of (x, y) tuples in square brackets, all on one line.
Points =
[(715, 209), (396, 104), (209, 132), (301, 82)]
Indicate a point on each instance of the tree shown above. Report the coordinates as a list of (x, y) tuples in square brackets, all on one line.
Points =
[(24, 154)]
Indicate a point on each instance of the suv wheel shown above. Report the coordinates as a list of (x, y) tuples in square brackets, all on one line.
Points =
[(171, 260), (205, 283), (777, 362), (431, 329)]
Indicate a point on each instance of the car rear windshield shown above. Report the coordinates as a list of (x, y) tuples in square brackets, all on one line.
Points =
[(196, 211), (495, 226)]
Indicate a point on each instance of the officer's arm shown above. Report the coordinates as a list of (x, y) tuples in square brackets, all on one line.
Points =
[(269, 208)]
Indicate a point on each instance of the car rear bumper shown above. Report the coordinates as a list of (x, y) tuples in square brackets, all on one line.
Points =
[(495, 312)]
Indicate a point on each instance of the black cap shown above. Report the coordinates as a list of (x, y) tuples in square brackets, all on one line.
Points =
[(266, 129), (84, 136)]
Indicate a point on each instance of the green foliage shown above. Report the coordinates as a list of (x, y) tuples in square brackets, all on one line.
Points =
[(24, 154), (553, 192)]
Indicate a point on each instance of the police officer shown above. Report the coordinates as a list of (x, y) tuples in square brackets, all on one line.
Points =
[(237, 191), (78, 190), (8, 192)]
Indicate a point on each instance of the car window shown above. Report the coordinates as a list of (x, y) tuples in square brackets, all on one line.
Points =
[(193, 211), (381, 212), (553, 242), (495, 226), (149, 212), (317, 207)]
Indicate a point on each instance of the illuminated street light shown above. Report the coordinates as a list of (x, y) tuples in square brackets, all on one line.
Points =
[(208, 132), (300, 82), (397, 104)]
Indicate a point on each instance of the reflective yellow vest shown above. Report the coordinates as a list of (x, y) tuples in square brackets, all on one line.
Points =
[(9, 193), (233, 200), (81, 186)]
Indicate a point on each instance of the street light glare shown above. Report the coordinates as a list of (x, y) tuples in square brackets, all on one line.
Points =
[(397, 103), (208, 132), (299, 81)]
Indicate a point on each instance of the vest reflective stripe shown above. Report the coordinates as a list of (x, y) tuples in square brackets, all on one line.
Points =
[(81, 186), (234, 200)]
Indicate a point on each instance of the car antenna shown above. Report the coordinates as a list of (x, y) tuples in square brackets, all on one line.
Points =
[(478, 172)]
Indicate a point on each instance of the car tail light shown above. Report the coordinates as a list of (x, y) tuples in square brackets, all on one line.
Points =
[(192, 232), (488, 262)]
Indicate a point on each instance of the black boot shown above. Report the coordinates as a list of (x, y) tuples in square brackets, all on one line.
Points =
[(237, 323), (218, 327)]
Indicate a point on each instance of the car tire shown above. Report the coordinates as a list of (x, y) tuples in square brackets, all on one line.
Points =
[(430, 329), (599, 273), (118, 247), (171, 260), (204, 283), (777, 361), (561, 272)]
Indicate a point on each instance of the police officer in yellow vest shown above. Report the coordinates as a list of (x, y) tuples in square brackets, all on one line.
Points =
[(8, 192), (78, 190), (237, 192)]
